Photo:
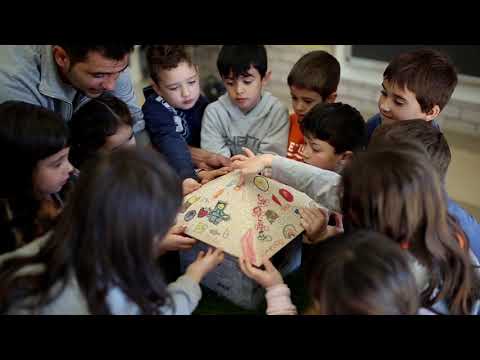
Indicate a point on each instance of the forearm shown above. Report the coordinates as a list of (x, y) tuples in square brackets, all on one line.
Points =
[(279, 302), (321, 185), (199, 155)]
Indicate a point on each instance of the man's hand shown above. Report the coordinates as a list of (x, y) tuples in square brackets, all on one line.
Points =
[(266, 278), (189, 185), (208, 175), (204, 264)]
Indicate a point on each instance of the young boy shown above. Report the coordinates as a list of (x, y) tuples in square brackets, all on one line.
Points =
[(416, 85), (173, 112), (246, 116), (313, 79), (333, 133), (437, 148)]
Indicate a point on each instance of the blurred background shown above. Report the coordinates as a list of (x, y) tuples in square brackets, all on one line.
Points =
[(362, 67)]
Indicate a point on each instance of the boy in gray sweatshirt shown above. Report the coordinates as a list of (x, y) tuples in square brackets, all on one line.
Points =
[(246, 116)]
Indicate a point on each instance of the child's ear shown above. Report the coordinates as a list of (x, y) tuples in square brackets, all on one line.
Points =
[(267, 77), (331, 98), (433, 113), (346, 157)]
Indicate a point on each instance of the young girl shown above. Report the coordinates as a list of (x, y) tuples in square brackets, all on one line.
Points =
[(34, 147), (362, 273), (396, 191), (103, 124), (101, 257)]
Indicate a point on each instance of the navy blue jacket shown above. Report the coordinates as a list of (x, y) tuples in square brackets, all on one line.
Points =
[(162, 128)]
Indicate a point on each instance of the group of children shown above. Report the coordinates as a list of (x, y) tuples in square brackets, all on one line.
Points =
[(87, 219)]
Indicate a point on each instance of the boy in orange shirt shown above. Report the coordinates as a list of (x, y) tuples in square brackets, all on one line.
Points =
[(313, 79)]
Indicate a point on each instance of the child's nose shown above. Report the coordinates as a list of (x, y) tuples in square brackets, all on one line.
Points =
[(185, 91), (384, 105), (239, 89)]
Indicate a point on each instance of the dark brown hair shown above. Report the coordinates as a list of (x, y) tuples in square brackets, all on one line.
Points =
[(165, 57), (428, 73), (317, 71), (28, 133), (93, 123), (361, 273), (396, 191), (123, 200), (429, 136)]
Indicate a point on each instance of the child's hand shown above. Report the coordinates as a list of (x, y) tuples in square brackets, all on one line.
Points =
[(208, 175), (204, 264), (250, 163), (315, 222), (266, 278), (175, 240), (189, 185)]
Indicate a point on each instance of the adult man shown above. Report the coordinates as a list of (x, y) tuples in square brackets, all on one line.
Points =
[(63, 77)]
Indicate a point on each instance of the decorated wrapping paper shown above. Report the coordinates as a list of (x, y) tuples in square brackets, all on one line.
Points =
[(255, 220)]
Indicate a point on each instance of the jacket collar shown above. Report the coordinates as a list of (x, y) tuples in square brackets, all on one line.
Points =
[(51, 83)]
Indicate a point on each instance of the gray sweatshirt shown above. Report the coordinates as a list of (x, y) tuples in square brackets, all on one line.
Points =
[(321, 185), (264, 129)]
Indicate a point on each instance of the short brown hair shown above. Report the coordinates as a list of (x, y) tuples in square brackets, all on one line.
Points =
[(165, 57), (317, 71), (430, 137), (428, 73)]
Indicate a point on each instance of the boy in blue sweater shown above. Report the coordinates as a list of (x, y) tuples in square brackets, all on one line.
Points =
[(173, 112)]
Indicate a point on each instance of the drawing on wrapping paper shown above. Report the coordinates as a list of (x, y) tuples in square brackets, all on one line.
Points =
[(263, 237), (261, 183), (214, 232), (289, 231), (190, 215), (246, 220), (217, 215), (218, 193), (271, 216), (200, 228), (286, 194), (189, 202)]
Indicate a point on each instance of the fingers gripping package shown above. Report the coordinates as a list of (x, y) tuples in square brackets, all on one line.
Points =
[(256, 219)]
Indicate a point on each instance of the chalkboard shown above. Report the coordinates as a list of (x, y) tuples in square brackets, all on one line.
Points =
[(465, 57)]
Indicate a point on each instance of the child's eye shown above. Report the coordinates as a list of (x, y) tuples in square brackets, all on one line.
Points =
[(173, 88), (229, 83), (398, 103), (247, 82), (308, 102), (193, 82), (99, 76)]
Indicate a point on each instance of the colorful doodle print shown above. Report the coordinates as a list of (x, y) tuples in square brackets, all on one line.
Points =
[(286, 194), (217, 215), (200, 228), (190, 215), (271, 216), (289, 231), (261, 183), (263, 237), (189, 202)]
